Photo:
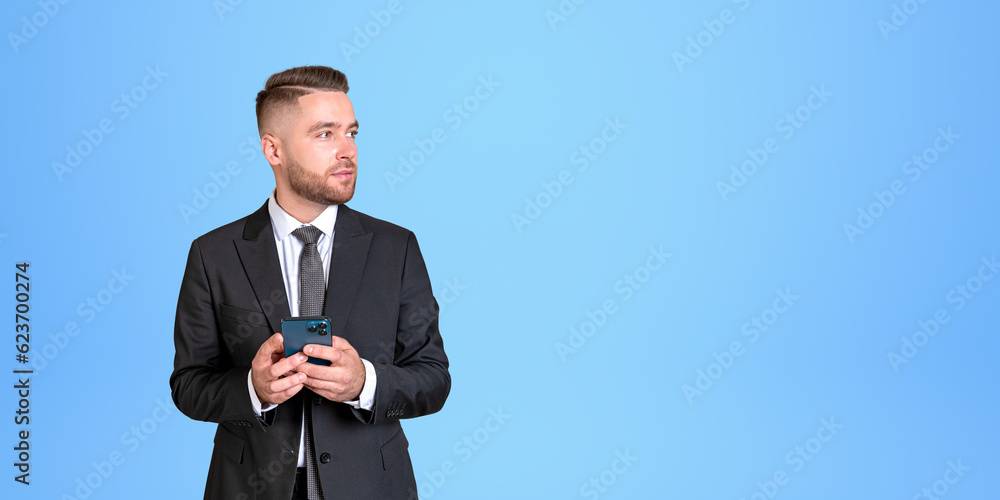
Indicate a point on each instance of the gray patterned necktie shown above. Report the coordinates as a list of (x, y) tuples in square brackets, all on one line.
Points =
[(312, 291), (312, 286)]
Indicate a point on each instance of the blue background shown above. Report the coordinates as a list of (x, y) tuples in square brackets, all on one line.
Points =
[(519, 267)]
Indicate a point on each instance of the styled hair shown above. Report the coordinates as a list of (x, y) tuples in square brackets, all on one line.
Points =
[(284, 89)]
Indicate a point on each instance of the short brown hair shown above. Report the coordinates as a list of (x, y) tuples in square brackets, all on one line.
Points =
[(284, 89)]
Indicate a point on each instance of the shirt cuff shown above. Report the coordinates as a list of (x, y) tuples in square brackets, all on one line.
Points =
[(258, 408), (366, 400)]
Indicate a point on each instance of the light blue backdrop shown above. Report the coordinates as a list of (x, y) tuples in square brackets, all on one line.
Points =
[(716, 250)]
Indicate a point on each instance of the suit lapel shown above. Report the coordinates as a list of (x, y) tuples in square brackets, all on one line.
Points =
[(259, 256), (350, 251)]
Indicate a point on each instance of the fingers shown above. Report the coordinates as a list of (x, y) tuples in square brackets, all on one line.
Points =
[(334, 356), (318, 374), (268, 370), (335, 384), (270, 358), (340, 353), (329, 378), (286, 365), (281, 378), (342, 388), (278, 391), (286, 387)]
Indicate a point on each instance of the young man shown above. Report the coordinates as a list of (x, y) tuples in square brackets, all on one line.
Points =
[(387, 360)]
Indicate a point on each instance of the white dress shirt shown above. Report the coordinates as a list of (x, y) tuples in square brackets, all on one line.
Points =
[(289, 250)]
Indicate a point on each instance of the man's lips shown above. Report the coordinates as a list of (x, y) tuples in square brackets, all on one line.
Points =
[(347, 173)]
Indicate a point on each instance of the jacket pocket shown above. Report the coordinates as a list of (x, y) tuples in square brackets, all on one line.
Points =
[(242, 331), (229, 445), (394, 450), (253, 318)]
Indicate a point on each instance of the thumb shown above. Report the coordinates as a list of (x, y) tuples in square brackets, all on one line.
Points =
[(341, 344), (275, 343)]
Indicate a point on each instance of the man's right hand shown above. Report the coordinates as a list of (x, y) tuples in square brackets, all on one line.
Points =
[(273, 374)]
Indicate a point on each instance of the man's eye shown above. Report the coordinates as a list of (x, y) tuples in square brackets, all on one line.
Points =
[(324, 134), (353, 133)]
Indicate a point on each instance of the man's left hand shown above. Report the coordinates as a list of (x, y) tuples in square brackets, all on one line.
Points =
[(343, 379)]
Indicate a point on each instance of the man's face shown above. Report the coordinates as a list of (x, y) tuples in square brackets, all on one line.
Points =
[(320, 155)]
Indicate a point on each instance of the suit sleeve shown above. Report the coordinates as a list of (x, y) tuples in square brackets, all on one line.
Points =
[(204, 384), (417, 381)]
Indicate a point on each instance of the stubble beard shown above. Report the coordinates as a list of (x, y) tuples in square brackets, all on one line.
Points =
[(315, 187)]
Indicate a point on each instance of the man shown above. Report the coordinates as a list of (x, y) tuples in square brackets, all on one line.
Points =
[(387, 360)]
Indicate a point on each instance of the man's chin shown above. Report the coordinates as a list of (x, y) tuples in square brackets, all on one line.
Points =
[(341, 191), (340, 197)]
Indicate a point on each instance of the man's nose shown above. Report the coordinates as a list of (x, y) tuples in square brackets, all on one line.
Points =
[(346, 149)]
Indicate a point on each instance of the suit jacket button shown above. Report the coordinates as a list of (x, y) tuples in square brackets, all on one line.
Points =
[(317, 400), (324, 458)]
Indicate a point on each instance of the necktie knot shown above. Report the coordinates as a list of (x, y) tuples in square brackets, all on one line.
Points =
[(307, 234)]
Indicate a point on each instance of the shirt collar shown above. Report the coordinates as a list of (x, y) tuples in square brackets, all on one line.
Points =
[(284, 224)]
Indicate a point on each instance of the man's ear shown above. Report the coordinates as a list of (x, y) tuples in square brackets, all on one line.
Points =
[(272, 148)]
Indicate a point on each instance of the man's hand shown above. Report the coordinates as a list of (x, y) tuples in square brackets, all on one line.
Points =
[(273, 375), (343, 379)]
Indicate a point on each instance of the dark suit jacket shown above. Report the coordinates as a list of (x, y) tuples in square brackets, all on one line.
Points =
[(379, 299)]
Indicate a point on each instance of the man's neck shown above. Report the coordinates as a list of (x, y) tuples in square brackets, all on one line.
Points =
[(302, 210)]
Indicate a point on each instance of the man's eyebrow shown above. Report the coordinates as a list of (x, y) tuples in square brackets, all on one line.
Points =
[(322, 125)]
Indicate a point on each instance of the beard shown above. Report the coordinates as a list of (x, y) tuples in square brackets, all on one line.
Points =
[(316, 188)]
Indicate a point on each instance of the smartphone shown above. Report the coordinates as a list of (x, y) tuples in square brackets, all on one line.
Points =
[(298, 331)]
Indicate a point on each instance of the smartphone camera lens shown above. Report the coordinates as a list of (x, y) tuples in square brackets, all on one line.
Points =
[(312, 328), (322, 332), (322, 326)]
